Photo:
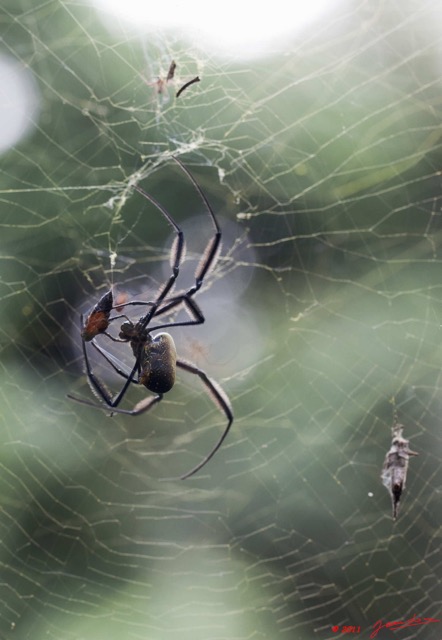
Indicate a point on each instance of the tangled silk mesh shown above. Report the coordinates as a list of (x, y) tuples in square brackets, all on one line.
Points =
[(323, 319)]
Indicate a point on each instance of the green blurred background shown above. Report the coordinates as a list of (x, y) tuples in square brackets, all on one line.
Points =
[(322, 161)]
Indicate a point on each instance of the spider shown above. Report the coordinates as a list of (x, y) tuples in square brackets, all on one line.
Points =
[(155, 355)]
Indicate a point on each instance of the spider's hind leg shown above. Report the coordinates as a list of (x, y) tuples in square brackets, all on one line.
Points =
[(220, 398)]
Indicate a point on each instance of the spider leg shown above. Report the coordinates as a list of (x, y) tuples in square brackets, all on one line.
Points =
[(114, 362), (111, 320), (98, 387), (193, 308), (120, 395), (139, 303), (169, 303), (96, 384), (176, 255), (208, 260), (141, 407), (210, 255), (220, 398), (175, 261)]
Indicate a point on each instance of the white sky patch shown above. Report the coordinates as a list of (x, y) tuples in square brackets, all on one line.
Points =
[(18, 102), (231, 27)]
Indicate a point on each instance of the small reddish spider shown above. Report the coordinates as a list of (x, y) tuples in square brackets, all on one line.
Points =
[(98, 319), (155, 355)]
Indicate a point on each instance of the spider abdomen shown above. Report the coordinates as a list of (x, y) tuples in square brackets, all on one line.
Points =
[(158, 364)]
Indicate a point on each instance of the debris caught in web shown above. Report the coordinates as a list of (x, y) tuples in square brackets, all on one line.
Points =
[(161, 83), (394, 471), (188, 84), (171, 71)]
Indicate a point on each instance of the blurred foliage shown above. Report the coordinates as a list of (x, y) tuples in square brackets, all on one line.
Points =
[(327, 159)]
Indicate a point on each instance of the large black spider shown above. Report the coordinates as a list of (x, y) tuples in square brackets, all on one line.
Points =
[(155, 356)]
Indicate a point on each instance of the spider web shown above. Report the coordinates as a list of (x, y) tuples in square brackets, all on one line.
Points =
[(323, 318)]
